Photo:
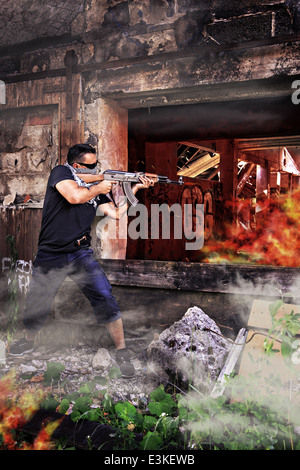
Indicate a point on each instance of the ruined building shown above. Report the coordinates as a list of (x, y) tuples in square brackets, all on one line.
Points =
[(206, 90)]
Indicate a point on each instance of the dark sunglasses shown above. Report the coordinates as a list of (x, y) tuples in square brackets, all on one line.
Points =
[(91, 166)]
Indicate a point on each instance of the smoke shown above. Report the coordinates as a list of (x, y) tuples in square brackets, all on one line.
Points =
[(259, 410), (260, 405)]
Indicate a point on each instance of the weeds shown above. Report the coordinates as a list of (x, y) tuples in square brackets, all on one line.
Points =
[(255, 412)]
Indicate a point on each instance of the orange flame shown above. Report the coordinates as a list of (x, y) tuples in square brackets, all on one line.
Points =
[(15, 411), (275, 240), (43, 440)]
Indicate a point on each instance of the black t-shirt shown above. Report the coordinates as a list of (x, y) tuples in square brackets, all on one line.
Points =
[(62, 222)]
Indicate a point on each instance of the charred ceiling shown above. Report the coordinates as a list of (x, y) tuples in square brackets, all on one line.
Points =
[(26, 21), (189, 21), (126, 29)]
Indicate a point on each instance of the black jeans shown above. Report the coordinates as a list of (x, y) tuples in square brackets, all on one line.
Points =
[(49, 272)]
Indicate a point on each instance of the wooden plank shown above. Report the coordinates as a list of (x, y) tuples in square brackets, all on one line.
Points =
[(260, 316), (254, 359), (230, 363), (69, 97), (77, 111), (23, 223), (235, 279), (228, 172), (243, 179), (255, 362), (197, 167)]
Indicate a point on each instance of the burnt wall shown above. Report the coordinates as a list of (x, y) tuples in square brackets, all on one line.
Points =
[(28, 149), (104, 31), (72, 70), (143, 54), (131, 28)]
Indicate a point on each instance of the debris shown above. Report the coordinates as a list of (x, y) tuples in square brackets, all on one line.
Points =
[(2, 353), (27, 199), (25, 369), (37, 378), (9, 199), (192, 348), (102, 360)]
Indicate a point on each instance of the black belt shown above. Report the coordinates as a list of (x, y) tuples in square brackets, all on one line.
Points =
[(83, 241)]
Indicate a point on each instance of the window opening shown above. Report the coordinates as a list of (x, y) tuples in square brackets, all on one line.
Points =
[(195, 161)]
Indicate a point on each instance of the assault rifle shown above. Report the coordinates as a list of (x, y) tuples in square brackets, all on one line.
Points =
[(126, 178)]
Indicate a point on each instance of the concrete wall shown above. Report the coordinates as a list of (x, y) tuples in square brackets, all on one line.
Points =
[(106, 126)]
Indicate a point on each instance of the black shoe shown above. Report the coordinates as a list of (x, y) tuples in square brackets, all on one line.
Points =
[(124, 363), (21, 347)]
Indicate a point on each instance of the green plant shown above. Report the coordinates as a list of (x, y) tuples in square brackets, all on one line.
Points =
[(162, 425), (255, 417), (255, 413), (253, 423), (283, 329), (53, 371), (146, 428)]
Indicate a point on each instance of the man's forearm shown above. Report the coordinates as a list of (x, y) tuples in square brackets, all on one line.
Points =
[(83, 195), (75, 194)]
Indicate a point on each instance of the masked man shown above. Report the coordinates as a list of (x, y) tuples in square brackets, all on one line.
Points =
[(64, 250)]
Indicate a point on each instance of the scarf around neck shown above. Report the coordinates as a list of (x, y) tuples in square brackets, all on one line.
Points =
[(80, 182)]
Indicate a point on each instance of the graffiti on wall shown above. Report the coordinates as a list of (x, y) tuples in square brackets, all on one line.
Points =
[(23, 270)]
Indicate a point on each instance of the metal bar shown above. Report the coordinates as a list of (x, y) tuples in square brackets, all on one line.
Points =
[(230, 363), (114, 64)]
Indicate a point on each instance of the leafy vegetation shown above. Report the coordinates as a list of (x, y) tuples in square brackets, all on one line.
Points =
[(255, 412)]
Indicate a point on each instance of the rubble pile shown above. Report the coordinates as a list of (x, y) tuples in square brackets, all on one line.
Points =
[(192, 350), (80, 365)]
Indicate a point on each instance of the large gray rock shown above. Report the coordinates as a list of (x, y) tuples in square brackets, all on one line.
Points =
[(192, 350)]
